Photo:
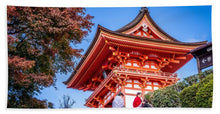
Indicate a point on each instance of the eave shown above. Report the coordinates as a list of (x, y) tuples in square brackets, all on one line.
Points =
[(127, 36)]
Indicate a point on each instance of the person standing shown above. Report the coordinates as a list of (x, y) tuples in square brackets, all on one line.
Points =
[(137, 101), (146, 103), (118, 102)]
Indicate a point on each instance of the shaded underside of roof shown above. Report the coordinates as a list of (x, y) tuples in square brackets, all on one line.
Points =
[(201, 47)]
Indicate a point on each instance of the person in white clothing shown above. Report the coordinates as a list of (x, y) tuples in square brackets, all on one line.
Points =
[(118, 101)]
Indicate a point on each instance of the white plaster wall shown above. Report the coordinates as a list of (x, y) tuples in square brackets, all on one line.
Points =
[(129, 101), (130, 91), (129, 98)]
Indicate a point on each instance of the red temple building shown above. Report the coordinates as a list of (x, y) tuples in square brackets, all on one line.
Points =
[(139, 57)]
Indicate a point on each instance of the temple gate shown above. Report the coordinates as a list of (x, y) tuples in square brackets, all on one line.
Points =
[(139, 57)]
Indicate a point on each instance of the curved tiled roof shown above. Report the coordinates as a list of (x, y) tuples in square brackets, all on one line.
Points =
[(100, 28), (149, 39)]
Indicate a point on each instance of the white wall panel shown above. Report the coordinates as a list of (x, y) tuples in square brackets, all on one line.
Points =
[(155, 88), (132, 91), (137, 86), (128, 85), (148, 87), (129, 101)]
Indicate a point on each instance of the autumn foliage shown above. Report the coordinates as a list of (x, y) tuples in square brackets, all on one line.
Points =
[(40, 44)]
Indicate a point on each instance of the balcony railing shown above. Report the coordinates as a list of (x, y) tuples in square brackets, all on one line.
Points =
[(145, 72), (132, 72)]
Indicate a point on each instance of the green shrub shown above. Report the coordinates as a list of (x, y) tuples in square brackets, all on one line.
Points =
[(205, 91), (198, 95), (149, 97), (166, 97), (193, 91), (188, 96)]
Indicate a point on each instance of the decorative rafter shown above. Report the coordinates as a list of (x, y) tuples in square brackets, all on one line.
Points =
[(144, 31)]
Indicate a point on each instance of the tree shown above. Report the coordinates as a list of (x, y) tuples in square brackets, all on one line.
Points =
[(202, 75), (191, 80), (67, 102), (179, 86), (40, 44), (50, 105)]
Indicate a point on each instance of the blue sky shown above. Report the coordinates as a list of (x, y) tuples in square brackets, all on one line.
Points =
[(185, 23)]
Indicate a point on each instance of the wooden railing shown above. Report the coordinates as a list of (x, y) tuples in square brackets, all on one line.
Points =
[(132, 72), (101, 85), (144, 72)]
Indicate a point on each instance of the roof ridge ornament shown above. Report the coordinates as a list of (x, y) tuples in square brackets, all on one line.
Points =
[(144, 9)]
